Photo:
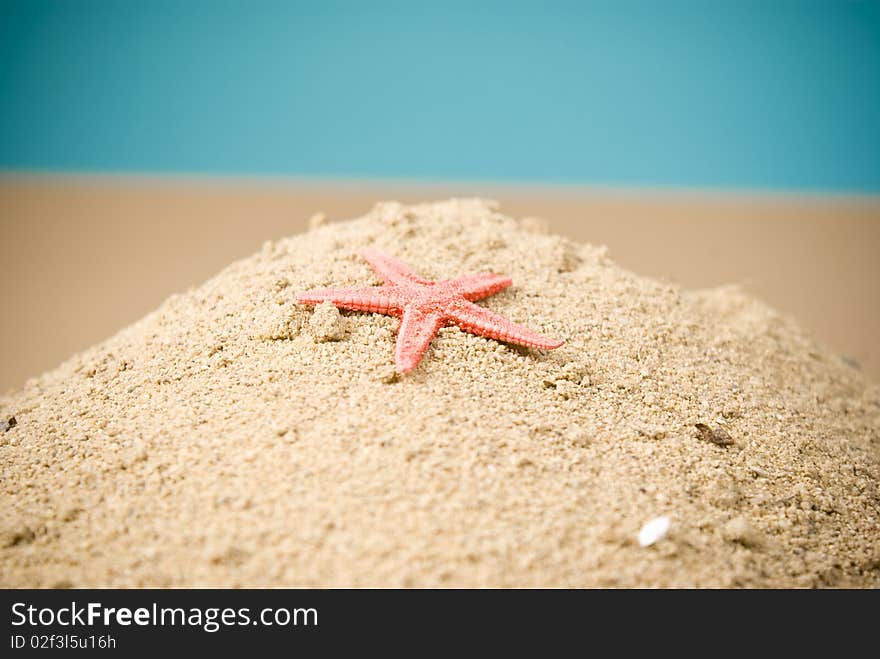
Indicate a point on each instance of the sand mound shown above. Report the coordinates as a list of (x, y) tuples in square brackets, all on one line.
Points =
[(234, 438)]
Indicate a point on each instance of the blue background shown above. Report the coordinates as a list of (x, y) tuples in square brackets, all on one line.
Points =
[(782, 95)]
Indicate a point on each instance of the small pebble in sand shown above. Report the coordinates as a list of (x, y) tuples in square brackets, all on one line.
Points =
[(326, 323), (741, 531), (136, 453), (15, 535), (388, 374), (654, 531), (8, 424), (70, 513), (716, 435)]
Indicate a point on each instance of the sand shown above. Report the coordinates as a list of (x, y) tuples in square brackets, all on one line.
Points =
[(234, 438)]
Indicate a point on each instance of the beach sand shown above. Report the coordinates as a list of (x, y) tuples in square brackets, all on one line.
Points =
[(228, 439)]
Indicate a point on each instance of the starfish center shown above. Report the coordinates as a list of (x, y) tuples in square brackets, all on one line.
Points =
[(425, 306)]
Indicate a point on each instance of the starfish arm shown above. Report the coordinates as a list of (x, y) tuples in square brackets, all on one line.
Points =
[(479, 320), (476, 287), (391, 270), (418, 328), (376, 299)]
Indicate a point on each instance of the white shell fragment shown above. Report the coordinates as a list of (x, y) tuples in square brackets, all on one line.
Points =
[(654, 531)]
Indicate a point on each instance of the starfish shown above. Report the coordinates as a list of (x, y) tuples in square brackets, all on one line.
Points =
[(425, 306)]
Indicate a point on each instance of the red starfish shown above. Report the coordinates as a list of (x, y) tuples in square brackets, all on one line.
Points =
[(425, 306)]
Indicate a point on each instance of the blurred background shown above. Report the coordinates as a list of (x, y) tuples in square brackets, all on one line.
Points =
[(145, 145)]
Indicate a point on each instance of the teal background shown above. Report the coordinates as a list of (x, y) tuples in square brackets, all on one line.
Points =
[(778, 95)]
